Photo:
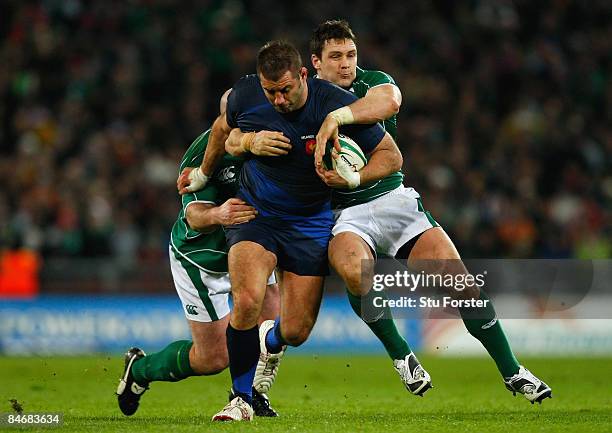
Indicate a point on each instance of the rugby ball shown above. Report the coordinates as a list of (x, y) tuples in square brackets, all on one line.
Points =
[(351, 153)]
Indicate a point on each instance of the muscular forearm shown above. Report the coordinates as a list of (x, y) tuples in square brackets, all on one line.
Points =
[(384, 160), (202, 217), (205, 217), (262, 143), (216, 145), (376, 108), (379, 104), (238, 142)]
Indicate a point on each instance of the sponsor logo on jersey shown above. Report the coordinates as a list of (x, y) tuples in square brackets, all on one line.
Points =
[(310, 144), (191, 309), (227, 174)]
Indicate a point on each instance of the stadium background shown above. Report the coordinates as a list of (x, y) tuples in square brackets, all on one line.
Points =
[(505, 129)]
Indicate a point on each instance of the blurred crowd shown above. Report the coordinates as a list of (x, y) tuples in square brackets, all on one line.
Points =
[(505, 127)]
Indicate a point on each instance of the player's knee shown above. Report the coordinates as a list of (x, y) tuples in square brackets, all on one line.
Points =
[(349, 273), (247, 304), (358, 283), (297, 334), (216, 365), (296, 338), (350, 267), (352, 278)]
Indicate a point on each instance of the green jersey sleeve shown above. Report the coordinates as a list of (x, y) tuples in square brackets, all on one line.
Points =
[(364, 81), (195, 153), (209, 194), (208, 251), (376, 78)]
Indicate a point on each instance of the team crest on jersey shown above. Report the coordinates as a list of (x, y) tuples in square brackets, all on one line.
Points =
[(310, 144), (227, 174)]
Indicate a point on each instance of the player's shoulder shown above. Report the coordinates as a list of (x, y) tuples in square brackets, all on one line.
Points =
[(373, 77), (245, 92), (199, 144), (193, 155), (328, 90), (328, 96), (246, 82), (322, 85)]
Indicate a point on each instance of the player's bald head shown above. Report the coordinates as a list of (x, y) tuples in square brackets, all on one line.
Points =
[(277, 57)]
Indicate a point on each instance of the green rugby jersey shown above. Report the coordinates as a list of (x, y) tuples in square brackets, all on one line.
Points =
[(207, 251), (343, 198)]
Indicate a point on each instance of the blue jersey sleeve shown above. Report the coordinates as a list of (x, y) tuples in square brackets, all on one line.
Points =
[(241, 96), (232, 108), (246, 96)]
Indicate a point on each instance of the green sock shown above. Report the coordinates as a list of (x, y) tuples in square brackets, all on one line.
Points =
[(171, 364), (478, 322), (384, 329)]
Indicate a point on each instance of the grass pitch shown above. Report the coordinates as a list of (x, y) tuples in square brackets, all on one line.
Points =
[(319, 394)]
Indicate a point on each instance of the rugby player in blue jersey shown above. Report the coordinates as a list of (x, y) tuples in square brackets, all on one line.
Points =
[(198, 261), (294, 221)]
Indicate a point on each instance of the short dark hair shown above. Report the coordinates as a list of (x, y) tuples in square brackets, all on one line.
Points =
[(277, 57), (332, 29)]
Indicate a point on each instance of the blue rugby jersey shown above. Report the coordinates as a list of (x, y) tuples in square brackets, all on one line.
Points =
[(288, 185)]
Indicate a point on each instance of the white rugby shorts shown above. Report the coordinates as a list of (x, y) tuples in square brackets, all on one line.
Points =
[(387, 222), (204, 295)]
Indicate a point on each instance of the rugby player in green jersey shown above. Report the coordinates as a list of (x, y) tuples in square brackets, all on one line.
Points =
[(198, 261), (387, 218)]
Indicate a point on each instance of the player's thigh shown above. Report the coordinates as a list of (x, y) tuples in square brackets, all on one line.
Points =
[(397, 218), (209, 352), (435, 253), (351, 256), (250, 266), (352, 223), (348, 249), (432, 245), (204, 295), (300, 302)]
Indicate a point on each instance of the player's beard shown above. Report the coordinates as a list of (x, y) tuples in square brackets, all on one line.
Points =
[(288, 107), (284, 108)]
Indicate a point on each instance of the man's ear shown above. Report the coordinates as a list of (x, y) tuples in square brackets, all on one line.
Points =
[(316, 62)]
